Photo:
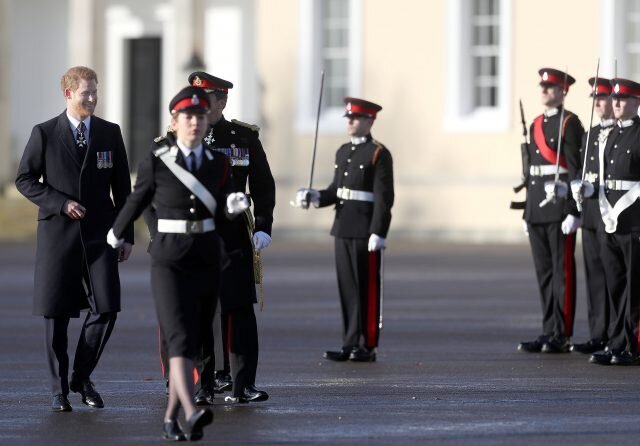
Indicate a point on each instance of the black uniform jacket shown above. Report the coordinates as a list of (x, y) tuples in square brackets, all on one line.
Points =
[(591, 218), (250, 167), (622, 162), (573, 133), (365, 167), (70, 250), (156, 185)]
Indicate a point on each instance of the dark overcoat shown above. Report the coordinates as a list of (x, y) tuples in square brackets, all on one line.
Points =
[(73, 259)]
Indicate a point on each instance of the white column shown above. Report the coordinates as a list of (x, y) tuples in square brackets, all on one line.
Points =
[(7, 161)]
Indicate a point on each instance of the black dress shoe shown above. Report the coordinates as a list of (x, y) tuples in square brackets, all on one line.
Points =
[(556, 345), (591, 346), (171, 431), (255, 395), (602, 358), (222, 382), (204, 396), (90, 396), (60, 403), (533, 346), (625, 358), (197, 422), (363, 355), (341, 355)]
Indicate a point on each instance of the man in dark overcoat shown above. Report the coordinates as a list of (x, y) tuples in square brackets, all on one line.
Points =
[(363, 194), (82, 162)]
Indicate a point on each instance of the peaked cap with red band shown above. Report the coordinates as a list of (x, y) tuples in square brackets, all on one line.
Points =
[(624, 88), (603, 87), (551, 76), (190, 99), (360, 107), (209, 82)]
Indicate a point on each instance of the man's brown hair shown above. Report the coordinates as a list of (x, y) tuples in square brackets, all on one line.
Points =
[(71, 79)]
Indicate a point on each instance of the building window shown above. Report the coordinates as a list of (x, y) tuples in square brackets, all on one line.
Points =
[(478, 36), (485, 52), (330, 36), (335, 50)]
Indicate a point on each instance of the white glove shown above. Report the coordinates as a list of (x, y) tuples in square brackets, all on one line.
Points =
[(570, 224), (581, 188), (376, 243), (113, 241), (304, 194), (261, 240), (525, 228), (237, 202)]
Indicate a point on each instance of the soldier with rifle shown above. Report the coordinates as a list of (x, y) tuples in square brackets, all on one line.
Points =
[(550, 213), (362, 193), (585, 193)]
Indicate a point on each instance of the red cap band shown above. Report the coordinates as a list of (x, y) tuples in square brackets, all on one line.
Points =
[(361, 110), (205, 83), (626, 90), (190, 102), (603, 89)]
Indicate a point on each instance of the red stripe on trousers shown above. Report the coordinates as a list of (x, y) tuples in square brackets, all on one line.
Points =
[(372, 300), (569, 285)]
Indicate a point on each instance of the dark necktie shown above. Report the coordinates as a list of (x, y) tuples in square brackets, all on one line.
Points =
[(81, 142), (192, 163)]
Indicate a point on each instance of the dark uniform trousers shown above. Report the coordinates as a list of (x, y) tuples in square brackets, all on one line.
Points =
[(620, 250), (553, 256), (359, 274), (621, 255), (552, 251), (598, 314)]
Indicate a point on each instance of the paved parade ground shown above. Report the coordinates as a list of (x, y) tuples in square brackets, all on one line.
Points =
[(447, 372)]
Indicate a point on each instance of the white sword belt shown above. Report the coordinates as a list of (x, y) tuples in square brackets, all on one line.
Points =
[(546, 169), (186, 226), (359, 195), (619, 184)]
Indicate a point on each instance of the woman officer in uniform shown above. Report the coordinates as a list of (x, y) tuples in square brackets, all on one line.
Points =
[(184, 182)]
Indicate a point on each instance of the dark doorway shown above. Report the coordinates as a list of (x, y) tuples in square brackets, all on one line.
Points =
[(144, 96)]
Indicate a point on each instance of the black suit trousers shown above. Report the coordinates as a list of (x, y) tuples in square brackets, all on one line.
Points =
[(553, 256), (95, 333), (359, 274), (621, 259), (597, 295)]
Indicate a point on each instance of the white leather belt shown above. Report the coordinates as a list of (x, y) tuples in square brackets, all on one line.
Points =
[(619, 184), (186, 226), (546, 169), (360, 195)]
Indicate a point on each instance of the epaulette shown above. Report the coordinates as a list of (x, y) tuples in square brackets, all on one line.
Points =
[(159, 139), (161, 150), (251, 127)]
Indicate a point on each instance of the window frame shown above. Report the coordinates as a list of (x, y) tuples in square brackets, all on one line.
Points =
[(460, 114)]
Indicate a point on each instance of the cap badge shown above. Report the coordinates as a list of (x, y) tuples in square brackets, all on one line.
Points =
[(195, 100), (617, 88), (197, 81), (545, 76), (349, 106)]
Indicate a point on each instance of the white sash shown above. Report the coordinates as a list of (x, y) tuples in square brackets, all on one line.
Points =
[(610, 214), (168, 157)]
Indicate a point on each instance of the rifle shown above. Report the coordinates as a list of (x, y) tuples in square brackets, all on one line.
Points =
[(524, 154)]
